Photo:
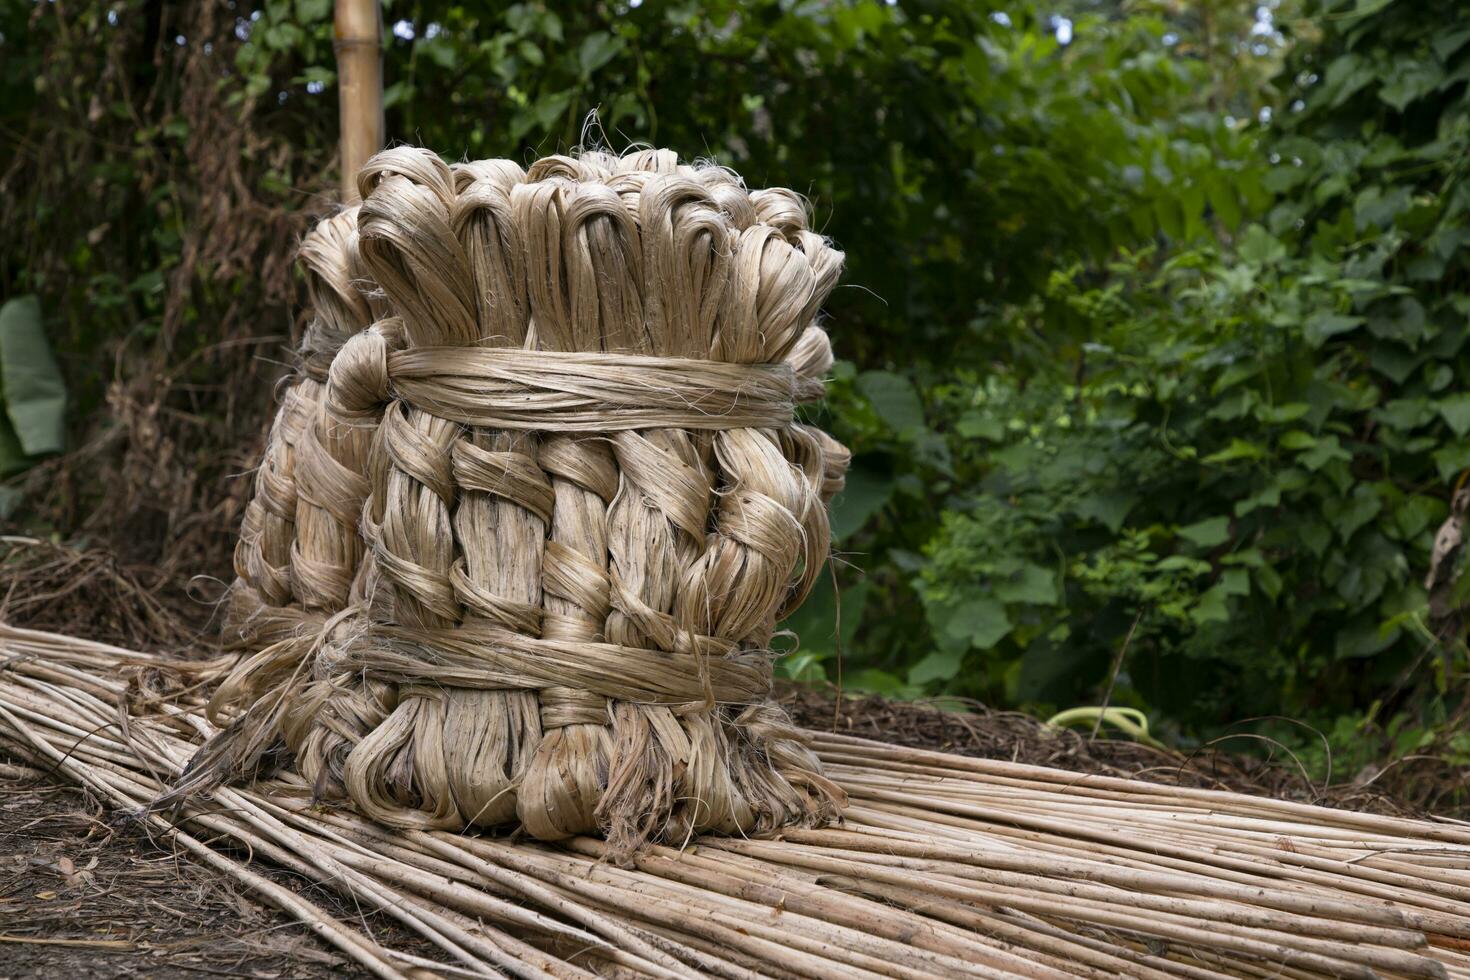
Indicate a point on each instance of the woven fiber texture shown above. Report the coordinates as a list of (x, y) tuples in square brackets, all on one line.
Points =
[(536, 501)]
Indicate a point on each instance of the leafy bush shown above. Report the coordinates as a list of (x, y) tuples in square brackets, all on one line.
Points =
[(1234, 452)]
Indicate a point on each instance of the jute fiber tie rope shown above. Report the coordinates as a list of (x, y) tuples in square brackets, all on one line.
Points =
[(488, 657), (530, 514), (580, 392)]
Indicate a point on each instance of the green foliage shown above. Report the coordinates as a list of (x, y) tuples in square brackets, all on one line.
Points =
[(1096, 146), (958, 150), (1234, 448)]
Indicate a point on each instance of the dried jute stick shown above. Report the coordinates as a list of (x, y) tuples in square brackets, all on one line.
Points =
[(520, 559), (937, 870)]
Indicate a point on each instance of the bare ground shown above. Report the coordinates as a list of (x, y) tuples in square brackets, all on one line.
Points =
[(985, 733), (86, 893)]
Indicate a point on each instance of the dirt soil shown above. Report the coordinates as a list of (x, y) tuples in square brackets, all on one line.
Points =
[(86, 893), (970, 728)]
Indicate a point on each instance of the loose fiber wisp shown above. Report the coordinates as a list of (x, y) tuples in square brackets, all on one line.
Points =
[(533, 507)]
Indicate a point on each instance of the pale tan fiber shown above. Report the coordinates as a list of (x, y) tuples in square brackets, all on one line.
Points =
[(529, 517)]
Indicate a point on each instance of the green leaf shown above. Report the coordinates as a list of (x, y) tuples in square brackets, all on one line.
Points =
[(13, 458), (1224, 203), (1416, 514), (882, 682), (1409, 79), (440, 51), (1236, 581), (598, 49), (315, 73), (1320, 326), (1109, 508), (978, 623), (974, 425), (1376, 206), (1207, 533), (1349, 513), (1446, 44), (1192, 203), (865, 493), (1363, 638), (1394, 362), (396, 93), (35, 394), (1281, 414), (1238, 449), (1344, 76), (1170, 216), (804, 666), (1452, 459), (938, 666), (1033, 584), (1326, 451), (1212, 607), (816, 621), (530, 53), (1455, 410), (282, 37), (1402, 320), (1257, 245), (894, 400), (1438, 376), (1183, 563), (1247, 557), (1315, 535), (1267, 496), (549, 109), (1270, 581), (1406, 413)]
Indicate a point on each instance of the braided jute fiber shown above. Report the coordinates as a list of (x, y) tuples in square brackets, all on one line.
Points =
[(536, 501)]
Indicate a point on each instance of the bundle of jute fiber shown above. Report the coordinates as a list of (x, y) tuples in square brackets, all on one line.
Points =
[(537, 500)]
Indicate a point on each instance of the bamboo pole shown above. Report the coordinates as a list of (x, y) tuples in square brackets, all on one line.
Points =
[(358, 43)]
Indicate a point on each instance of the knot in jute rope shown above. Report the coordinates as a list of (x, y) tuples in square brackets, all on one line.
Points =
[(531, 512)]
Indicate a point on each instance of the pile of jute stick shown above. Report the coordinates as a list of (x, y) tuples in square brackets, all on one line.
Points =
[(943, 866)]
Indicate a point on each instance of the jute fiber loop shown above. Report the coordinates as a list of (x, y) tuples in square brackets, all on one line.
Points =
[(537, 500), (357, 382)]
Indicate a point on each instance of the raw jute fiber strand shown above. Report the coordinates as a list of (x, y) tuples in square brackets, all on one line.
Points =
[(531, 513)]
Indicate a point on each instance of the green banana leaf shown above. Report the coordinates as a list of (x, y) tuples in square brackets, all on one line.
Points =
[(31, 388)]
